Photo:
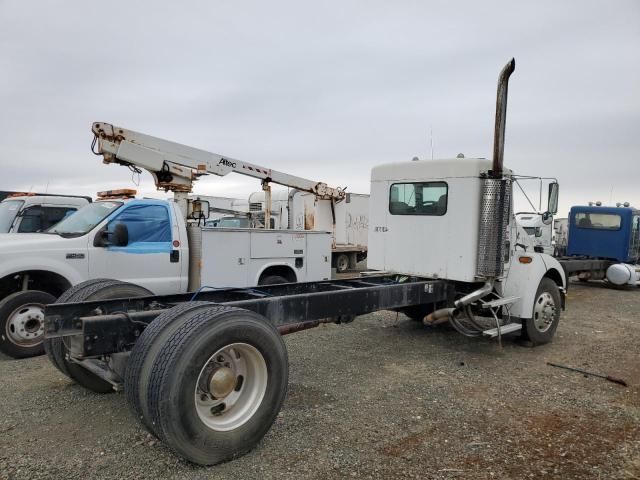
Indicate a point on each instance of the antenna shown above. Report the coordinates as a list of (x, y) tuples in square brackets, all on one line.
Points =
[(431, 134)]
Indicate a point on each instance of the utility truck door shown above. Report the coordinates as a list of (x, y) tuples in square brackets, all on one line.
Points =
[(136, 246)]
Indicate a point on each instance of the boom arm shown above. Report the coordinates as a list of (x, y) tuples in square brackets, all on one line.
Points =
[(175, 167)]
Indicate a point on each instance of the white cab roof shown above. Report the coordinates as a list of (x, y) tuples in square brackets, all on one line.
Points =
[(420, 169)]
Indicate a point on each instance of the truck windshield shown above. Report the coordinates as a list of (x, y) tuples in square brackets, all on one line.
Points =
[(84, 219), (533, 231), (8, 211)]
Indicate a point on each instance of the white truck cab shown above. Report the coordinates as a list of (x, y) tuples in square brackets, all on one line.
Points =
[(36, 213), (439, 219)]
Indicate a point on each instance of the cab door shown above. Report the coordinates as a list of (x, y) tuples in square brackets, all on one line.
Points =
[(148, 259)]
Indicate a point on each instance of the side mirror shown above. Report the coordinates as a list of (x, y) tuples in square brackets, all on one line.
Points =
[(120, 235), (554, 191), (198, 209), (547, 219)]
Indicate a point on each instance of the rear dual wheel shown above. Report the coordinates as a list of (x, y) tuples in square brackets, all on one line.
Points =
[(208, 380), (56, 348)]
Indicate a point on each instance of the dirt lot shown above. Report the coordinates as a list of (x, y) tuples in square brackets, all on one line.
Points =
[(383, 397)]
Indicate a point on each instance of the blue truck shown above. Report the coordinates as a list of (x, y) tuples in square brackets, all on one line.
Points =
[(604, 242)]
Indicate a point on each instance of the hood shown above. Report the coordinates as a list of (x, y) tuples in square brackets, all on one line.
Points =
[(31, 242)]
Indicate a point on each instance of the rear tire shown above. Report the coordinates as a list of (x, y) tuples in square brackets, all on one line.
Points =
[(84, 292), (53, 344), (541, 327), (220, 341), (145, 352), (22, 323)]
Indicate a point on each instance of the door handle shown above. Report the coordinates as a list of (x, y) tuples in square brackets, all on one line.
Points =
[(174, 256)]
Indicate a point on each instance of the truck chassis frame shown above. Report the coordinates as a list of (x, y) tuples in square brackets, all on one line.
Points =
[(97, 328)]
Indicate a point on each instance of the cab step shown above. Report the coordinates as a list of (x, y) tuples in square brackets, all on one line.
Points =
[(500, 302), (508, 328)]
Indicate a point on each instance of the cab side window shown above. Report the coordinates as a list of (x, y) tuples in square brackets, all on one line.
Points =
[(420, 198), (147, 224)]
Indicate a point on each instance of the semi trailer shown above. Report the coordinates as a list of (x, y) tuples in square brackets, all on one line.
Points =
[(206, 371)]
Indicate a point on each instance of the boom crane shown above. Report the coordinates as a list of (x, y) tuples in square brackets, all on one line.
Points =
[(175, 166)]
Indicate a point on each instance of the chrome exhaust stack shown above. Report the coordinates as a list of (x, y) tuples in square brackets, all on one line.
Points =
[(495, 207), (495, 201), (501, 118)]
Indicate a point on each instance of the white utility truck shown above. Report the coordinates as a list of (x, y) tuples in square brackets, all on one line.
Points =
[(27, 213), (347, 220), (207, 372), (157, 244)]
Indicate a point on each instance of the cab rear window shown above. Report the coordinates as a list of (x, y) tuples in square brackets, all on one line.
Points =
[(598, 221)]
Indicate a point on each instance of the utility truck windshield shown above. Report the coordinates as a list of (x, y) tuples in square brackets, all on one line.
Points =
[(84, 219), (8, 211)]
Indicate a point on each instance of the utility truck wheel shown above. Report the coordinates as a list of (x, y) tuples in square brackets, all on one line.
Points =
[(342, 263), (273, 280), (88, 291), (546, 314), (145, 352), (22, 323), (217, 384)]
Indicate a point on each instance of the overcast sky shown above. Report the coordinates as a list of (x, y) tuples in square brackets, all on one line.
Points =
[(324, 90)]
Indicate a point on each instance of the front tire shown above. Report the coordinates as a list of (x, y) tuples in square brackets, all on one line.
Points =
[(541, 327), (22, 323), (217, 384)]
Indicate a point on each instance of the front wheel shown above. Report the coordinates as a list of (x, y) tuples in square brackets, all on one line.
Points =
[(217, 384), (22, 323), (541, 327)]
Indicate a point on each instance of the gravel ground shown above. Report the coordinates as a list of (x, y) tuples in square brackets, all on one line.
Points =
[(383, 397)]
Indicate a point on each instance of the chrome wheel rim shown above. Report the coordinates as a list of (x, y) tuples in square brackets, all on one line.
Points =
[(231, 386), (544, 312), (25, 325)]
